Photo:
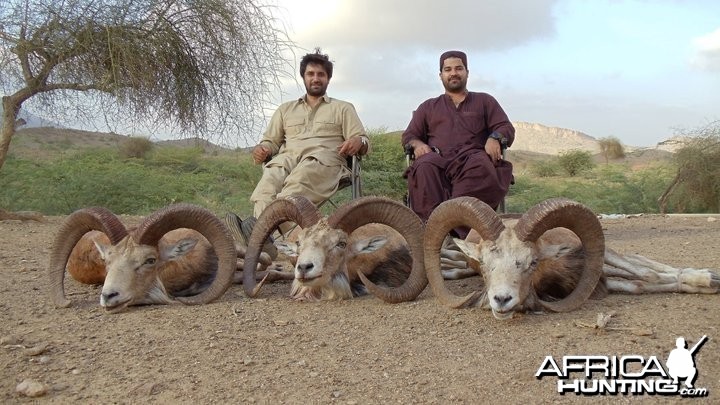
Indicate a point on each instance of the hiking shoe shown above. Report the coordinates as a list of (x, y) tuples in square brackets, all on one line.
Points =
[(246, 227), (234, 224)]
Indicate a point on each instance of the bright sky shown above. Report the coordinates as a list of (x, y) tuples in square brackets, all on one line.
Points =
[(636, 70)]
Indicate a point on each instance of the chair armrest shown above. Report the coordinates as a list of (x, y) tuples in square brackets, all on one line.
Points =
[(409, 154), (409, 151)]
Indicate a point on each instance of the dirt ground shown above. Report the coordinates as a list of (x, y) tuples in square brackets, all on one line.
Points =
[(272, 350)]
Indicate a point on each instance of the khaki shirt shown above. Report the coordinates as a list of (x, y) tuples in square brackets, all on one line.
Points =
[(301, 131)]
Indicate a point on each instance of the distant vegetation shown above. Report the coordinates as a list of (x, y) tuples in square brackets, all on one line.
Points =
[(611, 148), (575, 162), (200, 67), (139, 178), (136, 147), (696, 185)]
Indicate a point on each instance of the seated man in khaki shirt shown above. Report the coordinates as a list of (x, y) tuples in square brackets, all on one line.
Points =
[(307, 142)]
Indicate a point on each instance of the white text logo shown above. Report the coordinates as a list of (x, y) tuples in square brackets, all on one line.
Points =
[(627, 375)]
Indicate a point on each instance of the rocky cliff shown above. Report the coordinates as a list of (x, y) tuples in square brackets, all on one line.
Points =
[(551, 140)]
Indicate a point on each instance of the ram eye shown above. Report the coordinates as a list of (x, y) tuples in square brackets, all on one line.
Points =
[(341, 245), (149, 261)]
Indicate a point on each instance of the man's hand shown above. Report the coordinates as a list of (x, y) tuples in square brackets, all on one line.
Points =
[(420, 149), (260, 153), (493, 149), (351, 147)]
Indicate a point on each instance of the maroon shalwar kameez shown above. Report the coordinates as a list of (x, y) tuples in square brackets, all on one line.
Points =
[(462, 167)]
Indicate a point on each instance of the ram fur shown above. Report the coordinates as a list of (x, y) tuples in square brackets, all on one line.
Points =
[(371, 244), (552, 258), (327, 262), (182, 253)]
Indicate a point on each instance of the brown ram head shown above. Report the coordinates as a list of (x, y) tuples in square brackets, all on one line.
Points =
[(325, 267), (134, 260)]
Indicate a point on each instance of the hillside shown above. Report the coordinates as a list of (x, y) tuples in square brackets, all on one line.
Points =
[(531, 137), (28, 142), (48, 161), (533, 142), (551, 140)]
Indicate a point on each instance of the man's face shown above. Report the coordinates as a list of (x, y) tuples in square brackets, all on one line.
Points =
[(454, 75), (316, 80)]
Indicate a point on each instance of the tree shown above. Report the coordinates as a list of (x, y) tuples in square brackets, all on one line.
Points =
[(696, 185), (201, 66), (611, 148)]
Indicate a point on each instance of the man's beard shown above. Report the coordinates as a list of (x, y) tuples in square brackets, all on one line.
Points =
[(316, 92), (455, 86)]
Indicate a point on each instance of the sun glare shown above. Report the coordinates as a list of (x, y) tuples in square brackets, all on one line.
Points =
[(305, 15)]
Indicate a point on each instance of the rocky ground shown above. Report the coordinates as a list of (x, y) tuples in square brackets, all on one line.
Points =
[(272, 350)]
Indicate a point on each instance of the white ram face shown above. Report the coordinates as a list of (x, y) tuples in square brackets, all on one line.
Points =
[(507, 266), (132, 270), (323, 252), (320, 252)]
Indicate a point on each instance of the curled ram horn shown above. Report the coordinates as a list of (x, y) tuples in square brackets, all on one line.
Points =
[(181, 253), (579, 219), (509, 256), (73, 228), (461, 211), (381, 210), (208, 225), (295, 209)]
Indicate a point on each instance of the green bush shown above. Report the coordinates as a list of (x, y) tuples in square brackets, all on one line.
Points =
[(129, 186), (575, 161), (224, 182), (386, 154)]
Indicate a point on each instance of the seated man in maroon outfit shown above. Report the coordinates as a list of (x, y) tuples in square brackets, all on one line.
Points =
[(457, 140)]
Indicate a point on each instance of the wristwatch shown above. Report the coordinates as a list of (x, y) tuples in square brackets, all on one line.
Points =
[(498, 137)]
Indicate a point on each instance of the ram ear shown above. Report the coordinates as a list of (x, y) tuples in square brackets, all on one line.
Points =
[(370, 244), (469, 249), (179, 249), (102, 248), (554, 251)]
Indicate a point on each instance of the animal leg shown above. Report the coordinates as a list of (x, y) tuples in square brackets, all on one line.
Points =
[(705, 278), (455, 265), (644, 287), (614, 259), (275, 275), (267, 276), (454, 255), (457, 274), (657, 266), (612, 271), (658, 277), (272, 273)]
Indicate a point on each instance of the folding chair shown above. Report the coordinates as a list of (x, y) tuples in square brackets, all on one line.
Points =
[(352, 180), (410, 157)]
